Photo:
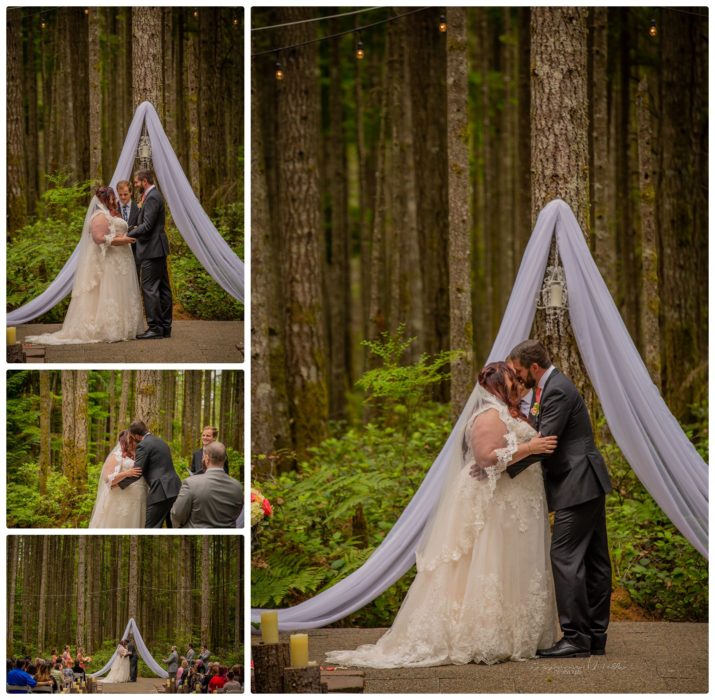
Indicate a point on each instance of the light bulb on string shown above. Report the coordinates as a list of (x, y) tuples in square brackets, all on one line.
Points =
[(360, 51), (86, 11), (653, 31), (43, 24), (196, 13), (442, 24), (279, 71), (235, 21)]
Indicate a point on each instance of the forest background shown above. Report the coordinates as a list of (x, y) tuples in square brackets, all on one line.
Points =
[(62, 424), (74, 78), (395, 194), (82, 590)]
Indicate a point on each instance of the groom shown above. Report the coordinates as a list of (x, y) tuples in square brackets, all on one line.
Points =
[(576, 481), (151, 250), (153, 457), (133, 660)]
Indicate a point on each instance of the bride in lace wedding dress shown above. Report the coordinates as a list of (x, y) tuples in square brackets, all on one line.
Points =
[(106, 303), (119, 673), (116, 507), (484, 590)]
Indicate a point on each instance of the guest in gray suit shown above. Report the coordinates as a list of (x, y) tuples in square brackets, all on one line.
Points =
[(213, 499), (173, 661), (190, 654)]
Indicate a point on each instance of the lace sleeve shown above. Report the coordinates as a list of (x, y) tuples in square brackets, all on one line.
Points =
[(492, 443), (112, 467)]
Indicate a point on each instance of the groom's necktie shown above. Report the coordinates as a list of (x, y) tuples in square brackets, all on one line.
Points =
[(537, 395)]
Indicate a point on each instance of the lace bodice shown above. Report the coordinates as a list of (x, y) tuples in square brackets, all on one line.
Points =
[(121, 464), (118, 226)]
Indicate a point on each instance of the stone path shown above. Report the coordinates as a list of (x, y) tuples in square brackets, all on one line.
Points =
[(642, 657), (142, 686), (191, 341)]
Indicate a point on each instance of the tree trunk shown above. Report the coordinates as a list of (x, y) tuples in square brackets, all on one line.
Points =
[(192, 112), (74, 428), (33, 134), (300, 210), (147, 398), (602, 240), (81, 590), (16, 171), (147, 80), (124, 409), (133, 580), (205, 590), (45, 434), (12, 561), (460, 306), (559, 147), (268, 390), (650, 298), (95, 94)]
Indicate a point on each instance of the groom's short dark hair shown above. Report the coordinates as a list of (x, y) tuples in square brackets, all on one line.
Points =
[(147, 175), (138, 428), (529, 351)]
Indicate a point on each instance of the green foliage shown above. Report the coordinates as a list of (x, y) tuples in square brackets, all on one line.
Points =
[(661, 571), (38, 251), (396, 388), (329, 517)]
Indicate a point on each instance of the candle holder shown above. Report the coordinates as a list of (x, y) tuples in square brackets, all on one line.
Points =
[(269, 661)]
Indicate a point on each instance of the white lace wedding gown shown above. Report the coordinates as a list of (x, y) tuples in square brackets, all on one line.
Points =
[(117, 507), (106, 301), (119, 673), (484, 590)]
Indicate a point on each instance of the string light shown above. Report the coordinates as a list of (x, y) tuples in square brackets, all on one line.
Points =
[(86, 11), (235, 21), (442, 24), (279, 71), (196, 13), (43, 24), (653, 31), (360, 51)]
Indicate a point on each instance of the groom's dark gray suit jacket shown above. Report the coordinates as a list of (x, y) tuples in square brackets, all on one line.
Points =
[(153, 457), (575, 472), (150, 234)]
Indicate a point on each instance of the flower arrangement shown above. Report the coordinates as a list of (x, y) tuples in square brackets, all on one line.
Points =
[(260, 507)]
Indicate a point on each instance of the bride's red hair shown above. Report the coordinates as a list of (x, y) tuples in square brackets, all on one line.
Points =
[(107, 197), (493, 378), (126, 444)]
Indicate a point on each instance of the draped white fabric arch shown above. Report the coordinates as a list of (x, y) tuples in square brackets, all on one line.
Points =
[(132, 629), (193, 223), (650, 437)]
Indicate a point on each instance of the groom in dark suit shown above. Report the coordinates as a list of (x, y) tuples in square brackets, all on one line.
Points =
[(153, 457), (576, 481), (133, 660), (151, 250)]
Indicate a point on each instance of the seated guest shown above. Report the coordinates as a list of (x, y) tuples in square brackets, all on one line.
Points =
[(44, 677), (182, 671), (214, 500), (67, 672), (21, 677), (77, 670), (232, 685), (212, 671), (219, 680), (56, 673), (208, 435)]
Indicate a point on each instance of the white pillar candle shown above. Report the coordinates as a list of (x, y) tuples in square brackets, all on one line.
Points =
[(11, 335), (269, 627)]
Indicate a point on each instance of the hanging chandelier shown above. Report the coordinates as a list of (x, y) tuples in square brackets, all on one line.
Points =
[(553, 295)]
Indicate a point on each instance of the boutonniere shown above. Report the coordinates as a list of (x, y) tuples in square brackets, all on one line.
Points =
[(535, 409)]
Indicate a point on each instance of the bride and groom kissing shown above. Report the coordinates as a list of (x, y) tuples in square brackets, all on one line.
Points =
[(139, 487), (119, 269), (492, 580)]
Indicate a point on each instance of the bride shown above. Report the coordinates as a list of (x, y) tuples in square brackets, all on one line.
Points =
[(116, 507), (484, 590), (119, 673), (106, 304)]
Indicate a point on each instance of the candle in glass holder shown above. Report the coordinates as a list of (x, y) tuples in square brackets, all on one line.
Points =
[(269, 627), (556, 299), (299, 650), (11, 335)]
